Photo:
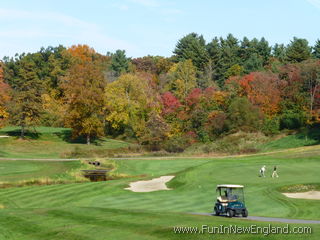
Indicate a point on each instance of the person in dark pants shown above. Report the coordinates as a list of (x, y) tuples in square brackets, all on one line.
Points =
[(275, 174)]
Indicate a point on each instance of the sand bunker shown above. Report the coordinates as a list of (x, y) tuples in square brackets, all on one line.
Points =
[(4, 136), (155, 184), (315, 195)]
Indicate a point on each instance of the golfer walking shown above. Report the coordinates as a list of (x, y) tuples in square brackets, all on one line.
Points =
[(274, 173), (262, 170)]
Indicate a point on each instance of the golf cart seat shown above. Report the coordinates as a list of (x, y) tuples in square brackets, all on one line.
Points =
[(222, 199)]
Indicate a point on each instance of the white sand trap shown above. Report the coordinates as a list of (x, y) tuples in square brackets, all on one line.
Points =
[(4, 136), (315, 195), (155, 184)]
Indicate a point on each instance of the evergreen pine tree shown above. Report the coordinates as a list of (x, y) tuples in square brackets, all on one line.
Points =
[(214, 52), (264, 50), (119, 63), (298, 50), (279, 52), (229, 56), (26, 101), (316, 49), (193, 47)]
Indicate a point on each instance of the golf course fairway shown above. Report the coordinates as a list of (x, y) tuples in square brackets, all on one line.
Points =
[(105, 210)]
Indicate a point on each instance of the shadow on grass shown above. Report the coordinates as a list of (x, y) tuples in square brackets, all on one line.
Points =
[(29, 133), (66, 135)]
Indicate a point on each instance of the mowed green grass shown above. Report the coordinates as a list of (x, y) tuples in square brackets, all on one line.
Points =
[(48, 142), (193, 187), (105, 210), (14, 171), (92, 223), (301, 139)]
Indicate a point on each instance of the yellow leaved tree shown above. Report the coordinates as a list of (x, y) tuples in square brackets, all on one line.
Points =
[(129, 100)]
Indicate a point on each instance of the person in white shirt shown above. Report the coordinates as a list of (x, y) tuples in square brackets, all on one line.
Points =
[(262, 171)]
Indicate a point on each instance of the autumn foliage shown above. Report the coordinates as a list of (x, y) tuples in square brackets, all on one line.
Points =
[(202, 92), (262, 89), (170, 103), (83, 88), (4, 98)]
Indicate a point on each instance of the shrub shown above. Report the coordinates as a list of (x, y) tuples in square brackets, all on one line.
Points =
[(271, 126), (292, 120), (243, 115), (177, 144), (78, 152), (239, 142)]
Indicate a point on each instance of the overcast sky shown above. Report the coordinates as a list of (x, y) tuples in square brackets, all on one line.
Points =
[(143, 27)]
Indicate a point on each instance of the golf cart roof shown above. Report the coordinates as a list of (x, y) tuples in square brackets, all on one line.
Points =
[(229, 186)]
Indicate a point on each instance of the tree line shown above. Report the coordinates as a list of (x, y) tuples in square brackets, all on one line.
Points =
[(203, 91)]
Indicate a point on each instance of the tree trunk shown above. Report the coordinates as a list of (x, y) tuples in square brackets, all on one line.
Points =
[(88, 139), (22, 132)]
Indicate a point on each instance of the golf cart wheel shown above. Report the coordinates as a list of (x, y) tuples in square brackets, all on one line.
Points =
[(245, 213), (216, 212), (230, 213)]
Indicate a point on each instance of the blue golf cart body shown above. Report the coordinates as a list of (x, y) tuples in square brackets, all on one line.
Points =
[(230, 201)]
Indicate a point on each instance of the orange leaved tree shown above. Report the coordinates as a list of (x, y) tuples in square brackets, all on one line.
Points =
[(83, 89)]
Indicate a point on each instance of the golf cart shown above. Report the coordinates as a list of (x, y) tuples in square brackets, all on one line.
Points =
[(230, 201)]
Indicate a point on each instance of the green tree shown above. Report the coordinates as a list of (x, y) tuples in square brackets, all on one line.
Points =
[(279, 52), (316, 49), (298, 50), (252, 51), (293, 118), (26, 104), (242, 115), (192, 46), (58, 62), (229, 57), (119, 63), (245, 49), (253, 63), (49, 64), (214, 51), (264, 50)]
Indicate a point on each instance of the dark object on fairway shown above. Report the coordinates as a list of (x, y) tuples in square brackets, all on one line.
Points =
[(95, 163), (96, 175), (230, 201)]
